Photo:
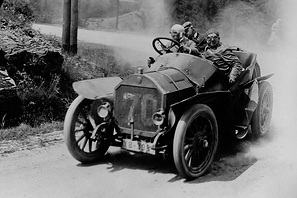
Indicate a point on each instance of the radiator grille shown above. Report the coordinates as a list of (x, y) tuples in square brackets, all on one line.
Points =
[(137, 103)]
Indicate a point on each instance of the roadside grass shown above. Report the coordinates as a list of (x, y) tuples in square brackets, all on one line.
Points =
[(23, 131), (91, 61), (95, 61)]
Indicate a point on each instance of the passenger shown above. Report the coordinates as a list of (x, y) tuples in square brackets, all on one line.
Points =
[(195, 36), (186, 45), (222, 56)]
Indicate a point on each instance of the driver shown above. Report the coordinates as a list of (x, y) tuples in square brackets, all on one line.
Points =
[(186, 45), (177, 33)]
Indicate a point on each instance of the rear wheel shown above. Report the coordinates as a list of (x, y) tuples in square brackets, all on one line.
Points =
[(78, 131), (195, 141), (262, 115)]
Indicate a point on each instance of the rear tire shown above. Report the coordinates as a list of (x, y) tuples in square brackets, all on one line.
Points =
[(262, 115), (195, 141)]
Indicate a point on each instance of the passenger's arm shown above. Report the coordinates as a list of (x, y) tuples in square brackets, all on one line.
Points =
[(235, 64), (191, 49)]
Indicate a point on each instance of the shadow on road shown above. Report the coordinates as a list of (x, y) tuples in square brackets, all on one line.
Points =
[(229, 164)]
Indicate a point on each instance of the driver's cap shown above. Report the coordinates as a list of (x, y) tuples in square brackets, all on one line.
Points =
[(187, 24), (177, 28)]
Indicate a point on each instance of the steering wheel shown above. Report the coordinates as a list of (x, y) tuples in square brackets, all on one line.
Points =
[(159, 42)]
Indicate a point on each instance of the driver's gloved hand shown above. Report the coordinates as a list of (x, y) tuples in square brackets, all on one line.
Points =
[(184, 49), (150, 61), (232, 79)]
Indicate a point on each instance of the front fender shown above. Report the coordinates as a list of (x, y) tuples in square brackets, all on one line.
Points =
[(219, 101), (212, 99), (96, 88)]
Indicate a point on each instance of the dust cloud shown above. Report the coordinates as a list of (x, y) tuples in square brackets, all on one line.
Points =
[(279, 148), (158, 25), (281, 60)]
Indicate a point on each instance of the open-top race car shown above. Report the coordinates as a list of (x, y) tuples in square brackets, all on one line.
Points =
[(171, 109)]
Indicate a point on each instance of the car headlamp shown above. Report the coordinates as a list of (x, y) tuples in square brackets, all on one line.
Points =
[(104, 110), (171, 118), (158, 117)]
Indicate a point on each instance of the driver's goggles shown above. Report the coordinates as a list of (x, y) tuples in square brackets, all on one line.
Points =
[(187, 29), (211, 37), (173, 32)]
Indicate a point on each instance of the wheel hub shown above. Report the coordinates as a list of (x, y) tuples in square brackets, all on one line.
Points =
[(98, 132), (205, 143)]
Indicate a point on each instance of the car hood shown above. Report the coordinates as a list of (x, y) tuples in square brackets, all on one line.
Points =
[(197, 69)]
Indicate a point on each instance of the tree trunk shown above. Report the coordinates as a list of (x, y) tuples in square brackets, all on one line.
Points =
[(73, 27), (117, 17), (66, 26)]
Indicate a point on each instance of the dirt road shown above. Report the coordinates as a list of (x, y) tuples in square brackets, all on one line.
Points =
[(50, 171), (266, 168)]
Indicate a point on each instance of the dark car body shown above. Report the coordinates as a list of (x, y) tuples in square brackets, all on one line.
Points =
[(171, 107)]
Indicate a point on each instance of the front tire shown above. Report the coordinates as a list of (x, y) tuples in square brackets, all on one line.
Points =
[(195, 141), (262, 115), (78, 131)]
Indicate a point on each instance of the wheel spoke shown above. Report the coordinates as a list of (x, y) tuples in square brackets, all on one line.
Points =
[(80, 121), (84, 144), (187, 147), (90, 145), (80, 138), (204, 130), (188, 156), (78, 130), (195, 159)]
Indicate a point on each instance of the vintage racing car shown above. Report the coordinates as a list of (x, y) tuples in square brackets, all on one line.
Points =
[(170, 109)]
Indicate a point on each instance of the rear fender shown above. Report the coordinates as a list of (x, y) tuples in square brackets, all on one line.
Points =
[(259, 79), (96, 88)]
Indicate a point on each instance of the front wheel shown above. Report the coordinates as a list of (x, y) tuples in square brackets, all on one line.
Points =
[(79, 132), (262, 115), (195, 141)]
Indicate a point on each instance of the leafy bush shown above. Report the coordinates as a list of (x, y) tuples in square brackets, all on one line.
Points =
[(44, 76), (17, 12)]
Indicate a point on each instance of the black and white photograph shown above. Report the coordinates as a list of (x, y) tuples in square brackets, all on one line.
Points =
[(148, 98)]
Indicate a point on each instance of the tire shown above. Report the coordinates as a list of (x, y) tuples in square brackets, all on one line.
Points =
[(195, 141), (262, 115), (78, 130)]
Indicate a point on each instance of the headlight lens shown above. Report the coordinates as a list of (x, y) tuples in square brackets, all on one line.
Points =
[(158, 117), (104, 110), (171, 118)]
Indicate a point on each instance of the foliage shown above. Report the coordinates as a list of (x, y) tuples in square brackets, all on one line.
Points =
[(35, 64), (43, 86), (15, 13), (152, 15), (50, 11), (46, 11), (94, 61), (23, 130), (209, 14)]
